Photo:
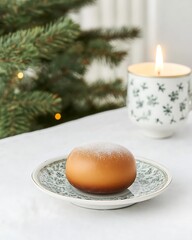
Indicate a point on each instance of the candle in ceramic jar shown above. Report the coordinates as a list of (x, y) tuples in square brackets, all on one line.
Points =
[(159, 96)]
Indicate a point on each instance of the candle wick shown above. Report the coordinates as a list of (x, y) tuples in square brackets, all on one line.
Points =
[(158, 73)]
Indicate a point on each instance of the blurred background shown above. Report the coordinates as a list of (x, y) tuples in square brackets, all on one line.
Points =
[(161, 22), (61, 60)]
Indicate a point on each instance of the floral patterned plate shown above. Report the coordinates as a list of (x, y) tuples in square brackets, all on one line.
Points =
[(152, 179)]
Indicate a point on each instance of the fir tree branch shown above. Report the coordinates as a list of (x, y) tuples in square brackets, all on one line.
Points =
[(38, 103), (101, 88), (123, 33), (100, 49), (92, 98), (110, 93), (25, 47), (16, 114), (56, 37), (23, 14), (12, 121)]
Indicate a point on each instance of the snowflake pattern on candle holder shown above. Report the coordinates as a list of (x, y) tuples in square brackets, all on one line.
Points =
[(174, 95), (148, 99), (161, 87)]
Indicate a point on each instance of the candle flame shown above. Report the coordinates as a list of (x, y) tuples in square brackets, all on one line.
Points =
[(159, 60)]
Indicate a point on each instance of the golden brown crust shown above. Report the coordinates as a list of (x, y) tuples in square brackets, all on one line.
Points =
[(95, 171)]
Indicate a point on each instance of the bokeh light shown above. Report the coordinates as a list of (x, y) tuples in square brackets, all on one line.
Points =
[(57, 116), (20, 75)]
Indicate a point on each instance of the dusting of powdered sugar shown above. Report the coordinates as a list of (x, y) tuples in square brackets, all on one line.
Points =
[(102, 148)]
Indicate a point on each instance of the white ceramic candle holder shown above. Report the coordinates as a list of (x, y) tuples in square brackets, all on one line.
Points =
[(158, 105)]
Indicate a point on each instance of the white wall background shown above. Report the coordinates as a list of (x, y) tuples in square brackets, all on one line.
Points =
[(174, 29), (166, 22)]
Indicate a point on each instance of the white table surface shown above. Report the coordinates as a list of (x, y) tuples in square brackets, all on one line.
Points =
[(26, 213)]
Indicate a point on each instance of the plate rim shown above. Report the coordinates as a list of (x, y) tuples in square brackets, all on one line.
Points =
[(90, 202)]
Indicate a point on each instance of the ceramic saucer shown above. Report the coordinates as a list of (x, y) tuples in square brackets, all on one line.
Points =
[(152, 179)]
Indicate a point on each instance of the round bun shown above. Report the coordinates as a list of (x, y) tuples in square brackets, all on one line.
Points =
[(101, 168)]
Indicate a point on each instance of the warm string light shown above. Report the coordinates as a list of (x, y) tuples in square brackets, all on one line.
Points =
[(20, 75), (57, 116), (159, 61)]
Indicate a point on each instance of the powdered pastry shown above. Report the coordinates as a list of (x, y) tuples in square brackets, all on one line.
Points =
[(101, 168)]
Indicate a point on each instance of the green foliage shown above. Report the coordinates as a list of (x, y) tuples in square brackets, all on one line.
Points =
[(84, 99), (20, 109), (35, 44), (21, 14), (38, 35), (110, 34)]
